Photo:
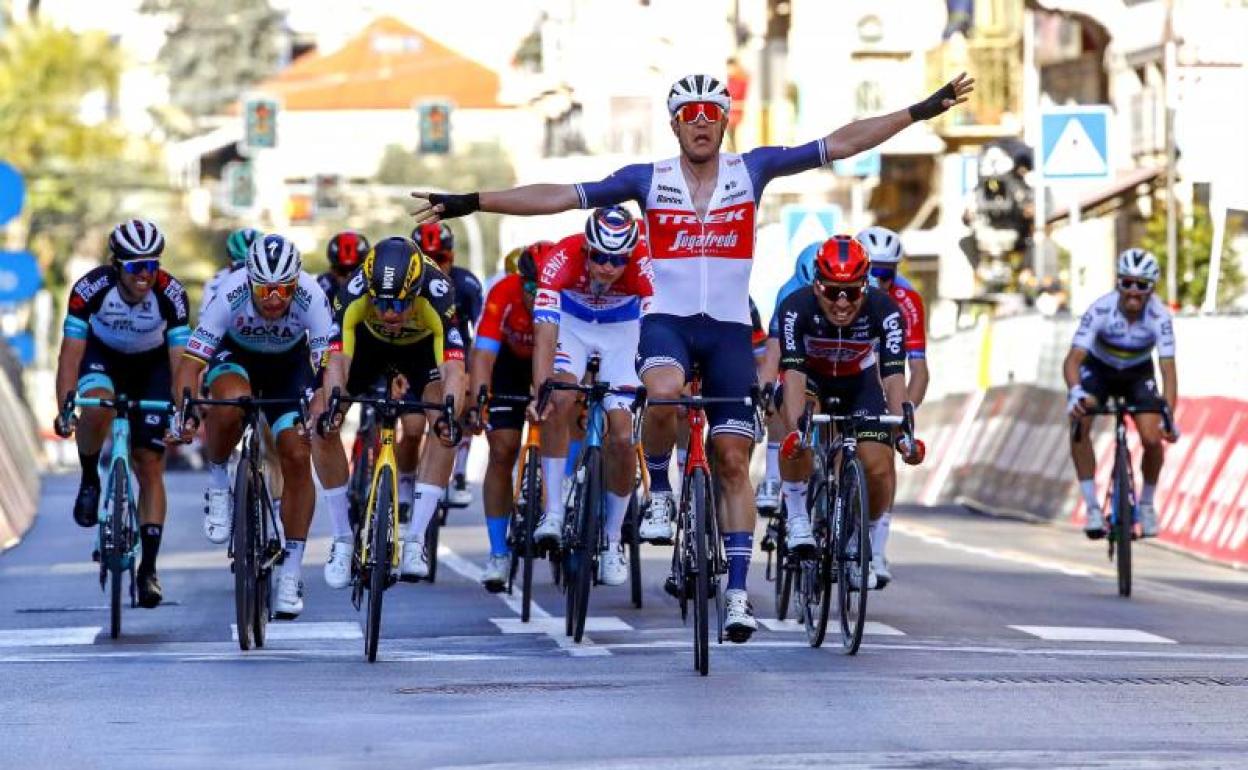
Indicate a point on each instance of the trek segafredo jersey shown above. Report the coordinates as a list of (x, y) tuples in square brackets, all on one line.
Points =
[(702, 264), (232, 315)]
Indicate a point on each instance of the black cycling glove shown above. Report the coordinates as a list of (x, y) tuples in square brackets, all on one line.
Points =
[(456, 205), (934, 104)]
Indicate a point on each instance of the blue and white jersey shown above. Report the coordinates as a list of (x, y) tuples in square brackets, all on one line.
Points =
[(1115, 341), (232, 315), (97, 310)]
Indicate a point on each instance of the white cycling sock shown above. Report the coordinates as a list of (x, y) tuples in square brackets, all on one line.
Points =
[(1147, 492), (773, 463), (423, 507), (617, 509), (1088, 488), (879, 533), (407, 485), (339, 517), (794, 497), (681, 456), (552, 477), (219, 475), (293, 563)]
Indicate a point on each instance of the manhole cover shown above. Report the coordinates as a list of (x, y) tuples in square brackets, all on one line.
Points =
[(1181, 681), (502, 688)]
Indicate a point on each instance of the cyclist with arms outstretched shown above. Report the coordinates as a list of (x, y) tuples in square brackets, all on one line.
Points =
[(700, 210)]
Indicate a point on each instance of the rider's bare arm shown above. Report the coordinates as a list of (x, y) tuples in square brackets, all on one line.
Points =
[(1170, 383), (861, 135), (916, 387), (481, 369), (794, 403), (1070, 367), (67, 364), (894, 392)]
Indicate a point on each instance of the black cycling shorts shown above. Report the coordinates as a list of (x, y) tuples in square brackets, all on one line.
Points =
[(374, 359), (1136, 384), (513, 376), (143, 375), (271, 375), (862, 394)]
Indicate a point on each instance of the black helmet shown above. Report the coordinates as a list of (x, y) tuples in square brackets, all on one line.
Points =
[(394, 269)]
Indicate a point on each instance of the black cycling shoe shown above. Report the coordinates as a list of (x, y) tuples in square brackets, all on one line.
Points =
[(150, 593), (87, 505)]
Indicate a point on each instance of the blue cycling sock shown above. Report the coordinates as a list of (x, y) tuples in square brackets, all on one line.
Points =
[(737, 547), (574, 452), (497, 527), (657, 466)]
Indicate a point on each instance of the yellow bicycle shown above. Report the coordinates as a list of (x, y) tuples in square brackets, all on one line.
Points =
[(378, 548)]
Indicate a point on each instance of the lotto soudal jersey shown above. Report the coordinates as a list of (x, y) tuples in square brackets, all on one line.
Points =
[(902, 292), (702, 264), (1115, 341), (564, 286), (813, 344), (98, 309), (232, 315)]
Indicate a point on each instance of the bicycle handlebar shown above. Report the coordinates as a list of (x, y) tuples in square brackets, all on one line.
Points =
[(1116, 406), (249, 405), (393, 408)]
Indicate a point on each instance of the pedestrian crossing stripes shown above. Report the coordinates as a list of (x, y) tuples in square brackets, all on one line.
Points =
[(870, 627), (1083, 634), (307, 632), (49, 637)]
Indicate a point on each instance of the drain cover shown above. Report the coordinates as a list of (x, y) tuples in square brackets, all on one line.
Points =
[(501, 688), (1182, 681)]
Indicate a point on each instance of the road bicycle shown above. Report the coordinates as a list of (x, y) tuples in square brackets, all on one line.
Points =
[(256, 543), (840, 524), (118, 546), (1121, 502), (698, 561)]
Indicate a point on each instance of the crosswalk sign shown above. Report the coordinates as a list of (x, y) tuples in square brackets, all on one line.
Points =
[(804, 225), (1074, 143)]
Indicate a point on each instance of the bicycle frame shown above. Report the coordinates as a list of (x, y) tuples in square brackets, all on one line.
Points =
[(385, 459)]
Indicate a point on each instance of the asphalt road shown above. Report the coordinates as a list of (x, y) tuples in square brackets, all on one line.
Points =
[(1000, 644)]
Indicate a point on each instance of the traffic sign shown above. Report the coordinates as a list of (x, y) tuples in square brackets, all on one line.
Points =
[(804, 225), (12, 192), (240, 185), (19, 276), (23, 346), (260, 122), (1074, 142)]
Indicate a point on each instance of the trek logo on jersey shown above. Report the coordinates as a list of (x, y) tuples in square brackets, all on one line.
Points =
[(725, 232), (719, 216)]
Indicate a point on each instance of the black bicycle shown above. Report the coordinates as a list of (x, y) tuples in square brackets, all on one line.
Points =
[(1123, 511), (840, 523), (256, 546)]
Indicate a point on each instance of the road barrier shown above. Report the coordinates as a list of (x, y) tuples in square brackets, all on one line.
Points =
[(19, 467), (1003, 446)]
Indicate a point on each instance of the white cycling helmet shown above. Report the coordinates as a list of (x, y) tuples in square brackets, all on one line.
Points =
[(611, 230), (697, 88), (883, 245), (273, 259), (1138, 263), (136, 239)]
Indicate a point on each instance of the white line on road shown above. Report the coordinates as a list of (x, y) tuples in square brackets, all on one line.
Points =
[(931, 537), (556, 625), (1083, 634), (472, 572), (308, 631), (870, 628), (49, 637)]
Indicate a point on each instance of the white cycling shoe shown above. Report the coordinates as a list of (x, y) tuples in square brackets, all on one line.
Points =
[(549, 528), (219, 515), (289, 600), (1148, 519), (338, 567), (768, 495), (612, 567), (1094, 527), (656, 522), (739, 622), (415, 564), (879, 567), (497, 570), (798, 534)]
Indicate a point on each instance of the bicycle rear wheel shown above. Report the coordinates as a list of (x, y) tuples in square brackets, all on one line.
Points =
[(583, 549), (1124, 518), (784, 575), (380, 518), (432, 533), (532, 509), (699, 569), (244, 552), (818, 604), (266, 545), (853, 555), (632, 527), (115, 545)]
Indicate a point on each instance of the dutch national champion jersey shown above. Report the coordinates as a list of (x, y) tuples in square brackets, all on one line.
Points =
[(97, 310), (231, 314), (702, 264), (564, 287), (1110, 338)]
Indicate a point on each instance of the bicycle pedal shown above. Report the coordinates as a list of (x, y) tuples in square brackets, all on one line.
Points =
[(738, 634), (669, 586)]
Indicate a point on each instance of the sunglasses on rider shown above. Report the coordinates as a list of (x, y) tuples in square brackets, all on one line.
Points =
[(284, 291), (603, 258), (1135, 284), (883, 273), (136, 266), (691, 112), (833, 292), (390, 304)]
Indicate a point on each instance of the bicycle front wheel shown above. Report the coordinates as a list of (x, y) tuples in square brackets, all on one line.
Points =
[(114, 543), (632, 527), (699, 568), (380, 518), (431, 539), (1124, 519), (818, 600), (853, 555), (784, 575), (246, 561), (584, 546)]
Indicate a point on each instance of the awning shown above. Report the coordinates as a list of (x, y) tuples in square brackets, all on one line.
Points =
[(1123, 186)]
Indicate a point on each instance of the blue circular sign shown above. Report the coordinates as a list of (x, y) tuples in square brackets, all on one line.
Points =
[(12, 192)]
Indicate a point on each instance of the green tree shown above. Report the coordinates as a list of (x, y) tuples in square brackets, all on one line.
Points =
[(216, 49), (1195, 249)]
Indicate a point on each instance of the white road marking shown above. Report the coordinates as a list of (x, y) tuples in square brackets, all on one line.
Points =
[(1017, 557), (1083, 634), (49, 637), (305, 632), (871, 628), (553, 625), (473, 573)]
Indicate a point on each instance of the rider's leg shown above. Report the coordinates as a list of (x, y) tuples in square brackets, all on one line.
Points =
[(621, 469), (878, 463), (732, 472), (329, 458), (223, 426), (298, 493), (407, 455), (497, 492), (1149, 427), (149, 468), (659, 431), (555, 433), (93, 426)]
